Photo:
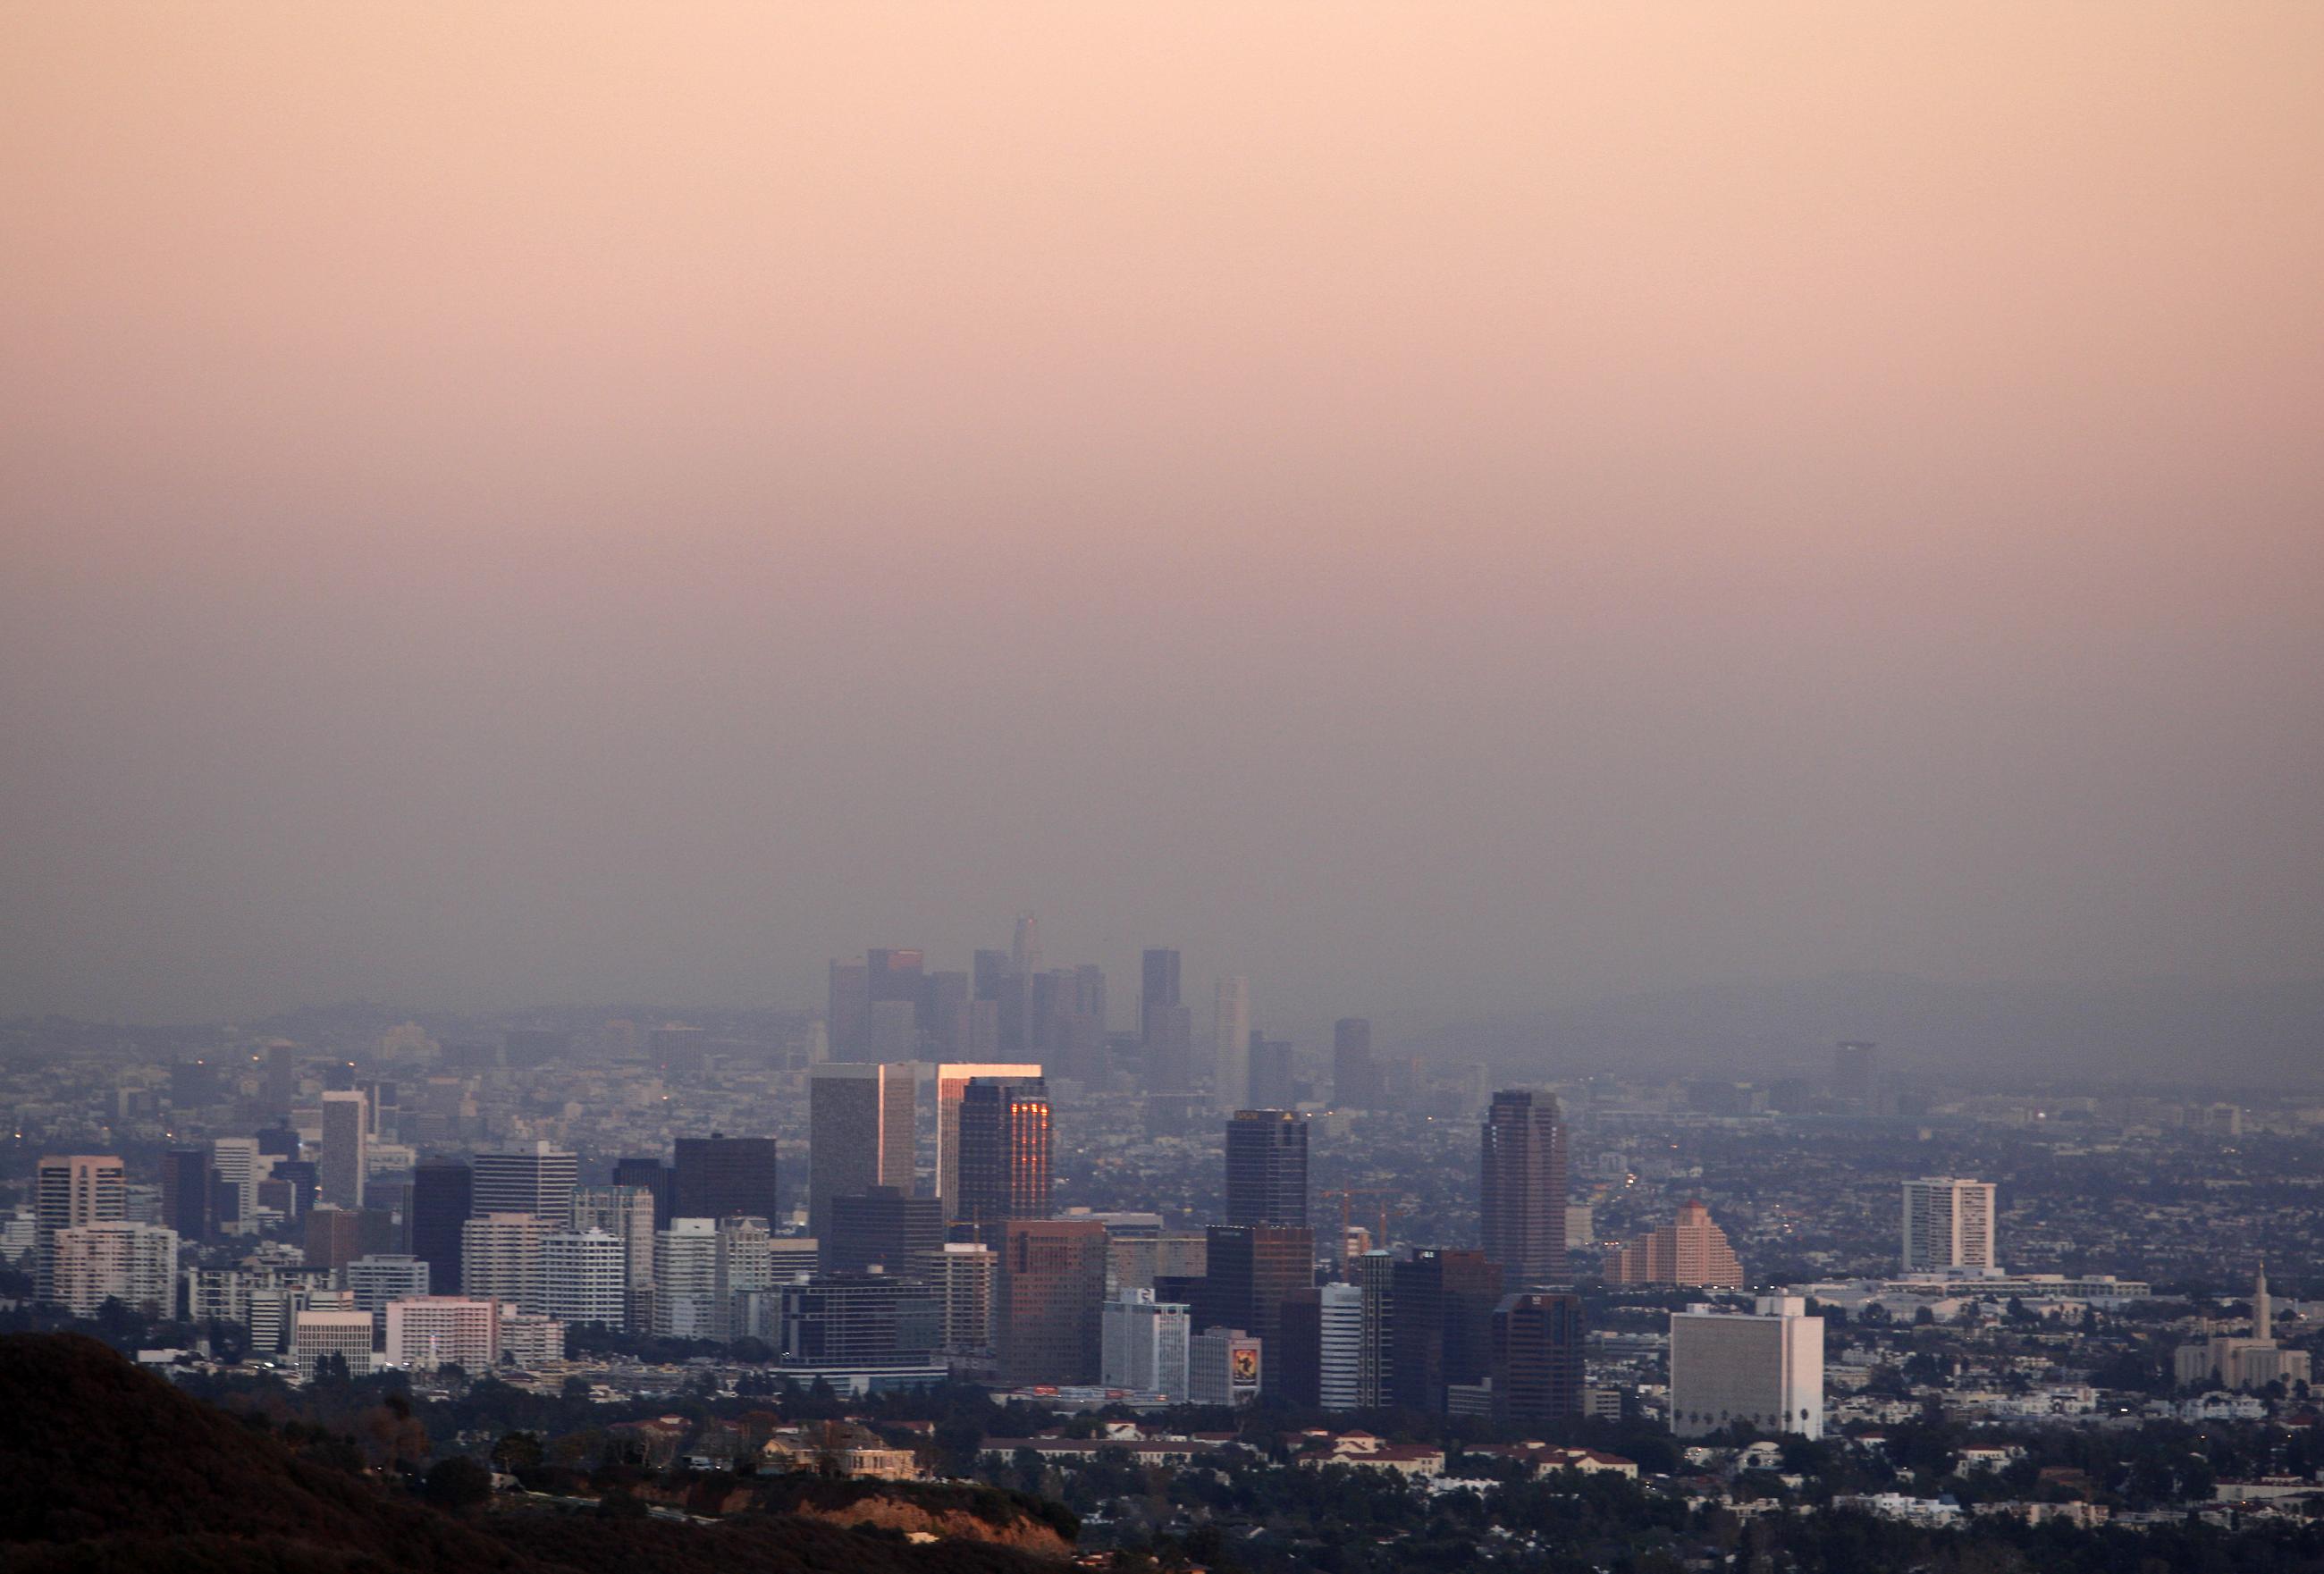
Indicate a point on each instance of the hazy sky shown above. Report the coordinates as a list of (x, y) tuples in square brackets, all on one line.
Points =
[(1438, 506)]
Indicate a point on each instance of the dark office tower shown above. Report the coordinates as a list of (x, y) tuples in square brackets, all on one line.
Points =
[(1536, 1360), (861, 1131), (1025, 945), (188, 1194), (945, 998), (1004, 1154), (278, 1142), (883, 1228), (1266, 1168), (1355, 1077), (1374, 1273), (304, 1178), (1158, 989), (1444, 1333), (442, 1193), (850, 1011), (1855, 1070), (991, 967), (1522, 1186), (718, 1176), (281, 1078), (1298, 1356), (1016, 1015), (1252, 1269), (333, 1238), (650, 1174), (524, 1048), (1169, 1046), (892, 975), (1274, 1084), (1049, 1298)]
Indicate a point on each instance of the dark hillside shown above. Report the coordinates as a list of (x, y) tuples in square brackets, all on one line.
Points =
[(104, 1468)]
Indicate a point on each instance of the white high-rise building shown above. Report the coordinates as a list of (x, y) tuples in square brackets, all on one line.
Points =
[(501, 1258), (116, 1260), (1143, 1344), (1343, 1346), (960, 1274), (686, 1281), (626, 1213), (69, 1192), (347, 1150), (1949, 1224), (584, 1277), (951, 1080), (427, 1331), (537, 1180), (236, 1161), (1765, 1368), (1230, 1028), (381, 1278), (316, 1334)]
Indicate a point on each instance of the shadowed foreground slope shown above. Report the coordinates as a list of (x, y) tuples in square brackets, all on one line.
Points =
[(106, 1467)]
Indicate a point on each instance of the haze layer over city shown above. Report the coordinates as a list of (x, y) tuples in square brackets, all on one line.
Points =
[(1243, 787)]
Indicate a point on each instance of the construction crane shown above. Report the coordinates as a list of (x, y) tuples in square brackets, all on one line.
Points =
[(1347, 1196)]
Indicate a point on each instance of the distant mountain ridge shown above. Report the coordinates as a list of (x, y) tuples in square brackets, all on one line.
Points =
[(2169, 1032)]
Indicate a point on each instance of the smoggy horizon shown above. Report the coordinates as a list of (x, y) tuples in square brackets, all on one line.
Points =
[(1441, 512)]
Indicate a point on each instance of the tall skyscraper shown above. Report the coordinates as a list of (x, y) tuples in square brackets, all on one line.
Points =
[(1373, 1274), (686, 1281), (961, 1275), (500, 1256), (988, 971), (69, 1192), (850, 1007), (627, 1214), (860, 1132), (443, 1199), (882, 1228), (1025, 947), (538, 1180), (1252, 1270), (1230, 1042), (1766, 1370), (1144, 1344), (1274, 1073), (346, 1149), (952, 1082), (584, 1277), (1051, 1293), (1690, 1251), (1355, 1077), (1949, 1223), (1522, 1186), (235, 1161), (716, 1176), (188, 1200), (1339, 1376), (1164, 1029), (1004, 1154), (1443, 1335), (650, 1174), (1170, 1049), (1536, 1357), (1266, 1167)]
